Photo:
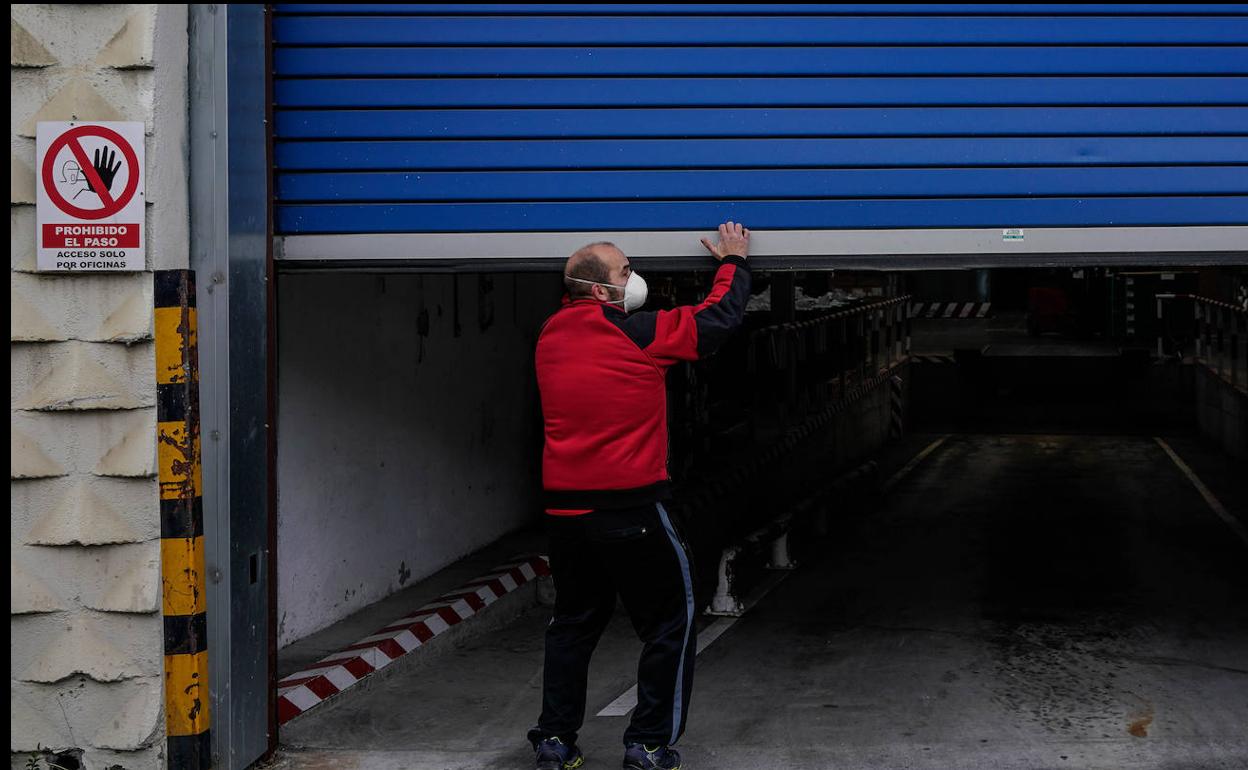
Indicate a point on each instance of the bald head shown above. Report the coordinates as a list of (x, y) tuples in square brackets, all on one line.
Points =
[(601, 262)]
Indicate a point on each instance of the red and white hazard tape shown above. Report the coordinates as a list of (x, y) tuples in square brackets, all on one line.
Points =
[(334, 673)]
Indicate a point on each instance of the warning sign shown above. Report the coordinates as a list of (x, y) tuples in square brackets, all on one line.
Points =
[(90, 197)]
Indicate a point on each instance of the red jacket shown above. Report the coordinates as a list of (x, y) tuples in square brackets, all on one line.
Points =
[(601, 376)]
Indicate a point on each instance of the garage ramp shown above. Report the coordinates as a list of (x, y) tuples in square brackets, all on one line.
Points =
[(1016, 601)]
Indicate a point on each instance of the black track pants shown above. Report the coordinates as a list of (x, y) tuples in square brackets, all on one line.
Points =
[(637, 554)]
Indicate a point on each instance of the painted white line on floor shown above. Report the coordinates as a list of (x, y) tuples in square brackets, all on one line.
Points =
[(905, 469), (622, 705), (1236, 526)]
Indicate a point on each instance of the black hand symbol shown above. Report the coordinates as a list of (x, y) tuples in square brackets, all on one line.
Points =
[(107, 169)]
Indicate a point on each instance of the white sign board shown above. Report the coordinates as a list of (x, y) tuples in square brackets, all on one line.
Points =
[(89, 196)]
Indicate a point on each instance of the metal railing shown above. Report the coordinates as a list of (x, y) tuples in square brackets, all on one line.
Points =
[(1218, 339), (834, 350)]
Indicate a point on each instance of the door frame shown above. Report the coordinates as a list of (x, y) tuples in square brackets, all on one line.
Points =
[(229, 80)]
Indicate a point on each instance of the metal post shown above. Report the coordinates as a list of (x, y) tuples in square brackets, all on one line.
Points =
[(1196, 310), (760, 354), (983, 285), (1208, 333), (879, 341), (184, 603), (1234, 349), (842, 357), (896, 407), (1243, 318), (853, 341), (780, 558), (894, 333), (784, 310), (894, 316), (862, 347), (875, 341), (1129, 305), (899, 320), (725, 601), (909, 317), (230, 250), (889, 315), (1221, 342), (1161, 353)]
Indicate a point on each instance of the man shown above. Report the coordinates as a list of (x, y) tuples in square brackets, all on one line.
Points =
[(600, 370)]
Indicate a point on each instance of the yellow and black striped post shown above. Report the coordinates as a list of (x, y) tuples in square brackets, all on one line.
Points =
[(181, 522)]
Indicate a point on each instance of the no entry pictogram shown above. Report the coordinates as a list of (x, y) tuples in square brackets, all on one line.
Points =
[(73, 140), (89, 209)]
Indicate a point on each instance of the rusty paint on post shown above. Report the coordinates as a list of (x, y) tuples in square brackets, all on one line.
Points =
[(183, 594)]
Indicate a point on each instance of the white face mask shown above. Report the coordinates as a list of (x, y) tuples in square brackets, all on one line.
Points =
[(635, 291)]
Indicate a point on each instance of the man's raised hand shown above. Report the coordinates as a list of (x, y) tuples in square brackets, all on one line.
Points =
[(733, 239)]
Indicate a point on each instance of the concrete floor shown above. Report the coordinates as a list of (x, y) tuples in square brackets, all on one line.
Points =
[(1018, 602)]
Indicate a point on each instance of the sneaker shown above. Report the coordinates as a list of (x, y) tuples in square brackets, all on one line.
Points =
[(639, 757), (554, 754)]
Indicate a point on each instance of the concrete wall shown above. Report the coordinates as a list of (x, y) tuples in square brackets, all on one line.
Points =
[(85, 658), (408, 430), (1221, 412)]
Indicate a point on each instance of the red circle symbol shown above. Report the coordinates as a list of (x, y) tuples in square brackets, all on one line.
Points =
[(71, 139)]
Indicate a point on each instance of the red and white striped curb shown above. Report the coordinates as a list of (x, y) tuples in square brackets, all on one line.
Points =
[(334, 673), (933, 358), (950, 309)]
